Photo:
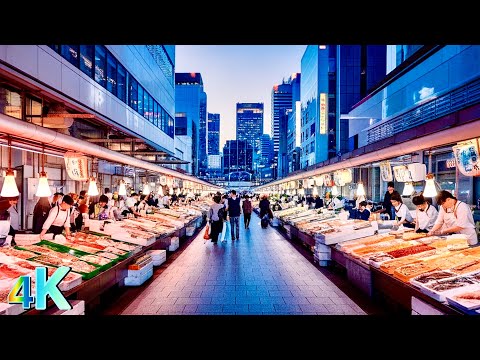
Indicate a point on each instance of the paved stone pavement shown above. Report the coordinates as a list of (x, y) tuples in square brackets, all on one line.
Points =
[(262, 273)]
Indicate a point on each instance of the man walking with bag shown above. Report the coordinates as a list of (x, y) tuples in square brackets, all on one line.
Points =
[(247, 211), (233, 208)]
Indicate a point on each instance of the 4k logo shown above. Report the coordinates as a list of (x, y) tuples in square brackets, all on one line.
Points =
[(43, 288)]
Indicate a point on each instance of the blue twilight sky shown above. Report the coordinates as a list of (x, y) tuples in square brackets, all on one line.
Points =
[(238, 73)]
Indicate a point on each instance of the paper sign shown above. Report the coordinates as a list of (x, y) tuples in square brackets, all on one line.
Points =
[(76, 165), (466, 156), (386, 171)]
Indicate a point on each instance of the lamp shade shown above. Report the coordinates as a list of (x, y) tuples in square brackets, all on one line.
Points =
[(334, 190), (43, 190), (92, 188), (360, 189), (171, 191), (160, 191), (408, 189), (315, 191), (430, 190), (9, 188), (122, 190)]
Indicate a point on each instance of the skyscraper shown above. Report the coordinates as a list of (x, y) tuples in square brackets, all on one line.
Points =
[(190, 106), (202, 135), (250, 123), (237, 157), (281, 101), (266, 149), (294, 127), (334, 78), (213, 134)]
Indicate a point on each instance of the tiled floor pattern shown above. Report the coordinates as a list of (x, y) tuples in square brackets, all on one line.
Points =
[(259, 274)]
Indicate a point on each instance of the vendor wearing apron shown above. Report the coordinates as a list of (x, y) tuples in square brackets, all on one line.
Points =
[(401, 211), (58, 218), (454, 217), (426, 214)]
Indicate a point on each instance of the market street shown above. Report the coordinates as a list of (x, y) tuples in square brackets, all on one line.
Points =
[(262, 273)]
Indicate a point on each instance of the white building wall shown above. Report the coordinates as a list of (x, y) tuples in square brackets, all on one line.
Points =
[(44, 64)]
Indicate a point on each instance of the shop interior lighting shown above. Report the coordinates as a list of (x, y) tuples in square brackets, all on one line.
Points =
[(170, 191), (360, 188), (160, 191), (408, 189), (122, 190), (430, 189), (43, 190), (315, 191), (146, 189), (334, 190), (92, 187), (9, 188)]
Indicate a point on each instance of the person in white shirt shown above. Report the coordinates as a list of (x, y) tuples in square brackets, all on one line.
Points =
[(454, 217), (131, 205), (166, 201), (4, 227), (58, 218), (426, 215), (401, 211), (14, 217)]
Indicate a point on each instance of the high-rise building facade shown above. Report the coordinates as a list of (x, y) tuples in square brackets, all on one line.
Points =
[(237, 157), (281, 101), (334, 78), (250, 123), (266, 149), (202, 135), (190, 106), (213, 134), (294, 127)]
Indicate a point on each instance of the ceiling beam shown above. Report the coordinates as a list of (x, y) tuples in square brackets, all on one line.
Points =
[(114, 140)]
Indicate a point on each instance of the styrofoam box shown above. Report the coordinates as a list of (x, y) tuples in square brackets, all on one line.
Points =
[(158, 262), (190, 230), (173, 247), (323, 256), (157, 253), (141, 272), (136, 281)]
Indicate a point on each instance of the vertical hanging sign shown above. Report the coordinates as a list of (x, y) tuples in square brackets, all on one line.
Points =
[(386, 171), (466, 155), (76, 165), (323, 113)]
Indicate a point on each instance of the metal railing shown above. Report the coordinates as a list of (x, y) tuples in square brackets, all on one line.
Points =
[(460, 98)]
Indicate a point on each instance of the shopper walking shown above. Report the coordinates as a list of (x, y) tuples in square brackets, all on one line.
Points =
[(247, 211), (226, 223), (234, 211), (215, 218), (264, 206)]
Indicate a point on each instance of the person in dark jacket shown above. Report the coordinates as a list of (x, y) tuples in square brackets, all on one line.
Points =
[(318, 202), (40, 214), (234, 211), (363, 213), (247, 211), (264, 206)]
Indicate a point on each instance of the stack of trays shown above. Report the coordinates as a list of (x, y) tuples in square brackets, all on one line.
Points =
[(140, 271), (174, 244), (158, 256)]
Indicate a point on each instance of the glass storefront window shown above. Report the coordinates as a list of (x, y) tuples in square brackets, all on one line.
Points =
[(145, 103), (133, 93), (121, 82), (12, 105), (111, 74), (150, 108), (86, 59), (100, 55), (70, 53), (140, 100)]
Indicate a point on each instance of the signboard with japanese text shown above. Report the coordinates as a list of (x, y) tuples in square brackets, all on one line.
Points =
[(323, 113), (76, 165), (402, 174), (386, 171), (466, 156)]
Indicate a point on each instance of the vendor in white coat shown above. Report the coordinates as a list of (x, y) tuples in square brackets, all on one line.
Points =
[(426, 214), (454, 217)]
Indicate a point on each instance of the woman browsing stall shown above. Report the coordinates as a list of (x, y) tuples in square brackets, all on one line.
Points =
[(454, 217)]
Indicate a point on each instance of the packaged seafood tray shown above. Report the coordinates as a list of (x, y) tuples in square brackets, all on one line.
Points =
[(158, 256), (141, 262), (376, 260), (440, 289), (137, 240), (27, 239), (466, 300), (406, 272), (431, 276), (471, 267)]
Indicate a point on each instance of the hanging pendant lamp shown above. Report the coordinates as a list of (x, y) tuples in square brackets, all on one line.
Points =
[(43, 190), (408, 189), (430, 189), (122, 189), (334, 190), (92, 187), (9, 188)]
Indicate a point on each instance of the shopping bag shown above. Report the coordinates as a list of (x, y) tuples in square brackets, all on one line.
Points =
[(206, 236)]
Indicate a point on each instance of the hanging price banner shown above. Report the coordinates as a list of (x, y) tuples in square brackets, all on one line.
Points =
[(466, 156), (386, 171), (402, 174), (76, 165)]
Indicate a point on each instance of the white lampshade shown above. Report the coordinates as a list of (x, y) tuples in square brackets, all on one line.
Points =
[(178, 191), (171, 191), (334, 190), (9, 188), (146, 189), (43, 190), (92, 188), (430, 190), (122, 190), (315, 191), (360, 189), (408, 189), (160, 190)]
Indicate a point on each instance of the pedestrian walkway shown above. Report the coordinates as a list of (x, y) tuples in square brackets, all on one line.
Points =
[(262, 273)]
